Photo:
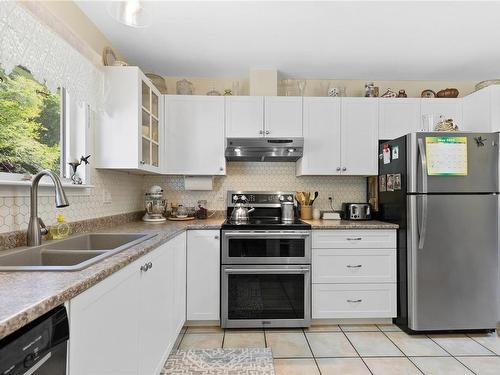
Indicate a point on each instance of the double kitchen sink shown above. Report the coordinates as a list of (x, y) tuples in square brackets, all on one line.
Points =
[(72, 254)]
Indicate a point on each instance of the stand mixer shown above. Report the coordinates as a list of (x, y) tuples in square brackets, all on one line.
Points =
[(155, 205)]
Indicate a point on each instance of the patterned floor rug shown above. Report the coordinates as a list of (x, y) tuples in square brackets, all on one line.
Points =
[(246, 361)]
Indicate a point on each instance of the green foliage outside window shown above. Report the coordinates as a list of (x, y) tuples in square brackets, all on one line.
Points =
[(30, 124)]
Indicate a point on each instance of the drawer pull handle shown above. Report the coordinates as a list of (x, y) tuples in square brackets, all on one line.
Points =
[(354, 238), (356, 266), (354, 300)]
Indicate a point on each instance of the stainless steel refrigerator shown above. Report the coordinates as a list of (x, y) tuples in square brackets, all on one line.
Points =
[(442, 189)]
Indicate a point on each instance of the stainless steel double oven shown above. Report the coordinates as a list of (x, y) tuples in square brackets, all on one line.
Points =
[(265, 270)]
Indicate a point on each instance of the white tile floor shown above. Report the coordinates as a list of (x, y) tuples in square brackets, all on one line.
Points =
[(358, 350)]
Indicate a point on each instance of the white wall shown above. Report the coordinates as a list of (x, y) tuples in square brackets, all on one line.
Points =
[(319, 87)]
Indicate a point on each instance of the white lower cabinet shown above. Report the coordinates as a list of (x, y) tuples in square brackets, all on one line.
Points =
[(160, 289), (179, 264), (104, 326), (128, 323), (359, 265), (345, 301), (354, 274), (203, 275), (348, 238)]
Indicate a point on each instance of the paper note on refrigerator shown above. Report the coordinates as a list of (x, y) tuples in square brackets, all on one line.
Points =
[(446, 156)]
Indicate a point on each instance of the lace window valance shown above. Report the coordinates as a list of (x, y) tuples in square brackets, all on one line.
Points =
[(26, 41)]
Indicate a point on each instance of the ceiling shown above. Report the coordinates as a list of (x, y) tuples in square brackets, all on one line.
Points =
[(317, 40)]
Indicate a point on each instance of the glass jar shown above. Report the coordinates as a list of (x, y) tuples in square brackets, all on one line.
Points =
[(181, 211), (201, 210)]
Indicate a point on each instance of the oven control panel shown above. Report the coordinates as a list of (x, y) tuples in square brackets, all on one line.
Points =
[(259, 198)]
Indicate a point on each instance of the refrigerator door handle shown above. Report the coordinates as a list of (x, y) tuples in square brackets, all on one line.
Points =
[(422, 222), (423, 164)]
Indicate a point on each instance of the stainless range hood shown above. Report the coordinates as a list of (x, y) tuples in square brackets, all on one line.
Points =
[(264, 149)]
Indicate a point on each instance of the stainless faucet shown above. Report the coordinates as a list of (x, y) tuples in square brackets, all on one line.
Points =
[(36, 227)]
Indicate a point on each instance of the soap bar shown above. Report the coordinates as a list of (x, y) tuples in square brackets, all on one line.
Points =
[(328, 215)]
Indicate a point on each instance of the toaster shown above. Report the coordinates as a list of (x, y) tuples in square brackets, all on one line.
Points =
[(356, 211)]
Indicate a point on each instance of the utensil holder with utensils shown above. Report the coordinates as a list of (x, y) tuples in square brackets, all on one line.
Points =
[(306, 212), (306, 200)]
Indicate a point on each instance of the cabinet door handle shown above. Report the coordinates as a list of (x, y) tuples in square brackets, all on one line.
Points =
[(150, 265), (344, 169), (216, 237), (356, 266), (142, 162), (338, 169), (354, 238), (268, 132), (144, 268), (261, 131), (221, 169), (354, 300)]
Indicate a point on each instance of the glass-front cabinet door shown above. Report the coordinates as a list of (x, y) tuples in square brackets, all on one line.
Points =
[(150, 122)]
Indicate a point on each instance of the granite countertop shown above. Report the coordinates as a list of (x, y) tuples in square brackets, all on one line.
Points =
[(24, 296), (350, 224)]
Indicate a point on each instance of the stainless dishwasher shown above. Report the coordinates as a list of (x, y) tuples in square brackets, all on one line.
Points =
[(39, 348)]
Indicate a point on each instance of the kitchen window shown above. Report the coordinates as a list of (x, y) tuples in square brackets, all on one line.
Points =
[(40, 129)]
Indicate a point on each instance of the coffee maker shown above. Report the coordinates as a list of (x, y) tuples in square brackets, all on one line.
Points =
[(155, 205)]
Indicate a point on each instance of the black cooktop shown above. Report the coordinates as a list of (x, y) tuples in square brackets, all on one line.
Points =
[(268, 223)]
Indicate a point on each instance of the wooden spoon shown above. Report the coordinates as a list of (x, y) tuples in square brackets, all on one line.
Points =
[(300, 197)]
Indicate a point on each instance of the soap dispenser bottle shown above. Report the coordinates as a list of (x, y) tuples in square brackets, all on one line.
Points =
[(60, 230)]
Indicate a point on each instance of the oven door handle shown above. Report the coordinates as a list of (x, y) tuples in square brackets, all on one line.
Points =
[(266, 270), (281, 235)]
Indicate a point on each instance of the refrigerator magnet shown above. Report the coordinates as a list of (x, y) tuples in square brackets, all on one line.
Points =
[(397, 181), (386, 154), (395, 152), (381, 183), (390, 182)]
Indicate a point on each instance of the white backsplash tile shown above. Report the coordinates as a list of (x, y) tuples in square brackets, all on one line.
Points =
[(126, 194), (263, 176)]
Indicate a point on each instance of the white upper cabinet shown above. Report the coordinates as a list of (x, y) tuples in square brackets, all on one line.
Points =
[(495, 108), (130, 134), (340, 137), (283, 116), (321, 137), (481, 110), (446, 107), (398, 116), (194, 135), (244, 116), (359, 136)]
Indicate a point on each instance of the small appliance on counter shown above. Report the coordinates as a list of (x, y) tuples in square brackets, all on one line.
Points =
[(155, 205), (356, 211)]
